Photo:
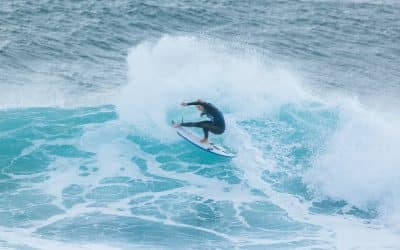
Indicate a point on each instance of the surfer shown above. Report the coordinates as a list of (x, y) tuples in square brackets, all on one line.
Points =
[(215, 125)]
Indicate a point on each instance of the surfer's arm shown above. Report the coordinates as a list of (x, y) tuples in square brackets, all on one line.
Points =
[(206, 106), (193, 103)]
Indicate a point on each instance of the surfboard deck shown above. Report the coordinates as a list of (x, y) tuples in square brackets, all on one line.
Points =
[(195, 140)]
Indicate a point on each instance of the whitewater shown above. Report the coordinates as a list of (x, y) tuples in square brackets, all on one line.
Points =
[(310, 91)]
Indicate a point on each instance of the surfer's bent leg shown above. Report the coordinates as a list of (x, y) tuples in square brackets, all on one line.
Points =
[(206, 126)]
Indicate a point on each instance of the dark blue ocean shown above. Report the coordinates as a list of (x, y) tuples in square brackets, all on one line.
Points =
[(310, 90)]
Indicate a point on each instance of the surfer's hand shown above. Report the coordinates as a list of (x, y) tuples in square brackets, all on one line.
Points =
[(184, 104)]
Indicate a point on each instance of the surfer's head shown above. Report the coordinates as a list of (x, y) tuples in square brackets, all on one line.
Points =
[(200, 107)]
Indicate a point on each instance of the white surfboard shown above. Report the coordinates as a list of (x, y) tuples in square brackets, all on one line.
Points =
[(195, 140)]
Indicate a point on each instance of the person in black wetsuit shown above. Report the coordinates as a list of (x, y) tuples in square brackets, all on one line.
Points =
[(215, 125)]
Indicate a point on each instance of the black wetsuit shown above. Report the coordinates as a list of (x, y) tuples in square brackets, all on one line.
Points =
[(215, 125)]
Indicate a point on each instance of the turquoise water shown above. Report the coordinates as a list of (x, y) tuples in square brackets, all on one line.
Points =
[(310, 91)]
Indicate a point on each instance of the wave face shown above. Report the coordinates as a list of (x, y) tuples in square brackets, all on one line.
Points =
[(88, 159)]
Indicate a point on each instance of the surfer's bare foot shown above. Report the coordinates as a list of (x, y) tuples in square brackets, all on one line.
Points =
[(205, 140), (176, 125)]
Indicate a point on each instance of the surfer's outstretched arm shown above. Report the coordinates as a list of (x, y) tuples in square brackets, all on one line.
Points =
[(205, 105), (193, 103), (198, 102)]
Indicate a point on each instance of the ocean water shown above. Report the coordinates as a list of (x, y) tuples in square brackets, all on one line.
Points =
[(311, 95)]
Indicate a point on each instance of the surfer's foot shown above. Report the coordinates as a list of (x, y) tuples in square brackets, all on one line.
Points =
[(204, 140)]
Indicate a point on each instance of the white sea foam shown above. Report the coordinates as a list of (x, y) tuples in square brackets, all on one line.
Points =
[(174, 69), (361, 162)]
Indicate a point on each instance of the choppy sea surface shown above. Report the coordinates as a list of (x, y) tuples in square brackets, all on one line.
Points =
[(311, 95)]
